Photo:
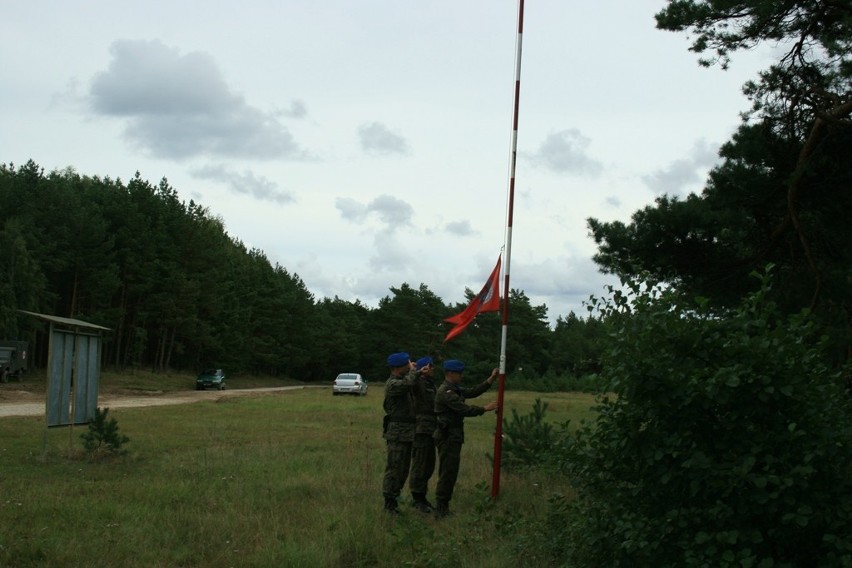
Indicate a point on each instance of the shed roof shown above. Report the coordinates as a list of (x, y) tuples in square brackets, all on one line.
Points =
[(67, 321)]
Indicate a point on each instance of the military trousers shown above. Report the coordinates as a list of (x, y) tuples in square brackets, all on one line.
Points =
[(449, 460), (422, 463), (396, 469)]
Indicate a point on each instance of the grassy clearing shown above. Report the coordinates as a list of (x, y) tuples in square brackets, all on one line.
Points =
[(289, 479)]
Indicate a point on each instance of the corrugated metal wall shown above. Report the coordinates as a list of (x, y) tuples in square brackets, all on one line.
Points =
[(74, 370)]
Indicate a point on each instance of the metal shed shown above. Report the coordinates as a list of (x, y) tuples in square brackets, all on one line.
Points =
[(74, 368)]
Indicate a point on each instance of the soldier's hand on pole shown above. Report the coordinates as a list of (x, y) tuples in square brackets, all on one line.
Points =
[(490, 406)]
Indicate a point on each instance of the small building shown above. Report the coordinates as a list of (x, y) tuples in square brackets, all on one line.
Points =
[(73, 370)]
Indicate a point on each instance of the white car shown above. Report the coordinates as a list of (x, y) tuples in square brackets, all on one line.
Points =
[(349, 383)]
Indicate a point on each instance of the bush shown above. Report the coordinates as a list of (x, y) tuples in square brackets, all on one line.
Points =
[(552, 382), (727, 442)]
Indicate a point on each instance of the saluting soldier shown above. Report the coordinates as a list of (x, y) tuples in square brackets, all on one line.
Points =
[(451, 410), (398, 428), (423, 449)]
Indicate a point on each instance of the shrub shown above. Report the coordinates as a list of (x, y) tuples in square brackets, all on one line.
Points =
[(727, 442), (552, 382)]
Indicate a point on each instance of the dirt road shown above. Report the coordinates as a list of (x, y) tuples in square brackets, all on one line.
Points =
[(24, 403)]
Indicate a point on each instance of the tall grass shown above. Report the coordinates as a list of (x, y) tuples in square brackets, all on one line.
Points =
[(285, 479)]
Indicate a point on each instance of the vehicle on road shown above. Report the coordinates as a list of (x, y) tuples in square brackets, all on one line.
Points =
[(349, 383), (210, 379)]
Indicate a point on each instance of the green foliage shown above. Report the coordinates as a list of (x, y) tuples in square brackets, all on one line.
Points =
[(781, 194), (811, 77), (102, 435), (727, 441), (576, 345), (180, 294), (528, 340), (552, 382), (707, 245), (409, 321), (527, 439)]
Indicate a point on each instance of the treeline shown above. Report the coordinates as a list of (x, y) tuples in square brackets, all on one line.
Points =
[(179, 293)]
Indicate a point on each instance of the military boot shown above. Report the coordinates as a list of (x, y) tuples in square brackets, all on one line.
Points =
[(391, 506), (442, 510), (420, 503)]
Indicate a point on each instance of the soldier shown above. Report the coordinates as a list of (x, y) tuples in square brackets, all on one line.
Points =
[(423, 449), (398, 428), (451, 409)]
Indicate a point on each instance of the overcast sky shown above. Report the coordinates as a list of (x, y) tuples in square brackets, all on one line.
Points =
[(366, 144)]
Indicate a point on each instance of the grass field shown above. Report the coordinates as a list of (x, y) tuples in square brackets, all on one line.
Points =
[(285, 479)]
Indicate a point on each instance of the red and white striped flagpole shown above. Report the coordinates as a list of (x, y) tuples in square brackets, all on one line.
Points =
[(498, 435)]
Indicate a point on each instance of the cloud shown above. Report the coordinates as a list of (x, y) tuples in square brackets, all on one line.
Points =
[(563, 283), (391, 210), (179, 106), (350, 209), (297, 110), (565, 152), (460, 228), (680, 175), (613, 201), (377, 139), (246, 183), (390, 254)]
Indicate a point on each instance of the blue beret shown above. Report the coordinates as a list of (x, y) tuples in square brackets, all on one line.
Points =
[(423, 361), (398, 360), (453, 365)]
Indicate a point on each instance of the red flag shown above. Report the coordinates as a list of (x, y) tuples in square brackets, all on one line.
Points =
[(488, 300)]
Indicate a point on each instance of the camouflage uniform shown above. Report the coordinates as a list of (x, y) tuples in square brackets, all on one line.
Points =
[(399, 434), (451, 409), (423, 450)]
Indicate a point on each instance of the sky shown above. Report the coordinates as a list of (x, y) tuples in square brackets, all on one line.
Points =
[(363, 145)]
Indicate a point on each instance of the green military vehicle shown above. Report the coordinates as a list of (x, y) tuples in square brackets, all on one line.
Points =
[(13, 360)]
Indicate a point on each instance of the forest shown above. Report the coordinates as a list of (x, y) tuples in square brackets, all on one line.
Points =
[(179, 293), (722, 434)]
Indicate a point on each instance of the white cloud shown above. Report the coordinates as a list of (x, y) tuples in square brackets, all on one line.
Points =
[(565, 152), (179, 106), (684, 174), (460, 228), (297, 109), (393, 211), (377, 139), (390, 253), (390, 210), (245, 183), (350, 209)]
